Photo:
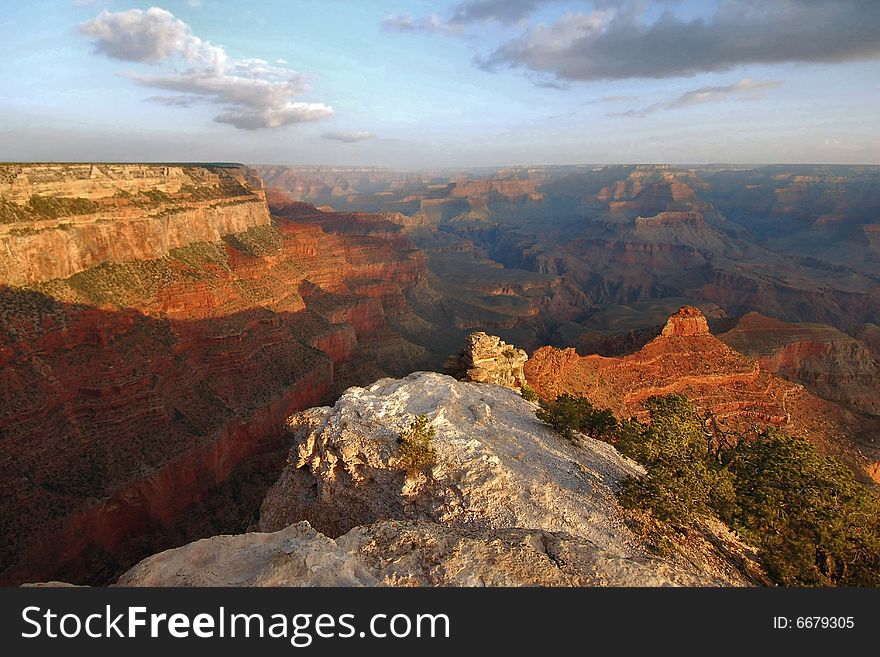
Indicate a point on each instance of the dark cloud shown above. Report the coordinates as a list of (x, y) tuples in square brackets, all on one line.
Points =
[(254, 93), (503, 11), (617, 42), (174, 101)]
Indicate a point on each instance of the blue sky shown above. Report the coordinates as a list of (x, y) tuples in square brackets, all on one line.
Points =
[(412, 84)]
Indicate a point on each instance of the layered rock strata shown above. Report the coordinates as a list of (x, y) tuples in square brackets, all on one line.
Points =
[(488, 359)]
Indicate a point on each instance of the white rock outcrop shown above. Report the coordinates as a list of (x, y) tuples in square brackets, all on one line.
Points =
[(393, 553), (488, 359), (497, 465)]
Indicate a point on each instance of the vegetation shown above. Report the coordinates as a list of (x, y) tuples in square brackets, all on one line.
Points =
[(229, 187), (812, 522), (44, 207), (683, 478), (416, 454), (568, 414), (528, 393), (257, 241), (815, 524)]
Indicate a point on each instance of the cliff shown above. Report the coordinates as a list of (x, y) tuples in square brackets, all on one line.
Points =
[(59, 220), (144, 397), (686, 359), (825, 360)]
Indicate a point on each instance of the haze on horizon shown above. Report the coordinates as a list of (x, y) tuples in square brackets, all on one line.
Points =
[(464, 83)]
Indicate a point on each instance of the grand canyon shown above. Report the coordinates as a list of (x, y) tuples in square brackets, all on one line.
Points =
[(149, 373), (579, 293)]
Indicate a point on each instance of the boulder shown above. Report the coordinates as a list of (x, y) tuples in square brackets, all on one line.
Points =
[(497, 466)]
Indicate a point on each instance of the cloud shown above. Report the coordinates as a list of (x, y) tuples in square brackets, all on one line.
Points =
[(148, 36), (503, 11), (745, 89), (349, 137), (174, 101), (466, 13), (409, 23), (254, 93), (618, 42)]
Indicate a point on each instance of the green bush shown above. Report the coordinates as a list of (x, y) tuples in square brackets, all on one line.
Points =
[(528, 393), (416, 453), (50, 207), (683, 481), (567, 414), (813, 522)]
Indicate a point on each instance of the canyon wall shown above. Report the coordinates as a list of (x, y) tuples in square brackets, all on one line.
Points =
[(59, 220), (146, 380), (826, 360)]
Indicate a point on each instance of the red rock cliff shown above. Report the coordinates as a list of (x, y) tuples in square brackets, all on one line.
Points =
[(144, 397), (686, 359)]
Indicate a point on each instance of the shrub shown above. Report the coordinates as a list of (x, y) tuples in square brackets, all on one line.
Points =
[(682, 480), (51, 207), (416, 454), (567, 414), (528, 393), (813, 522)]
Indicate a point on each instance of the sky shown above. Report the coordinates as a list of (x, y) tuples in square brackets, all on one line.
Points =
[(413, 84)]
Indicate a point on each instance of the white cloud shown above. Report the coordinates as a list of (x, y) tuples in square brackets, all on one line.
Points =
[(408, 23), (254, 93), (149, 36)]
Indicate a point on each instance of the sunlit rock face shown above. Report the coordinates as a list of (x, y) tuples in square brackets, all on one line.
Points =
[(488, 359), (146, 376), (687, 359)]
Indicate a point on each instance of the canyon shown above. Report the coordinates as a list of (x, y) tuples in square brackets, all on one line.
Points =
[(153, 351), (796, 243), (509, 502), (161, 324)]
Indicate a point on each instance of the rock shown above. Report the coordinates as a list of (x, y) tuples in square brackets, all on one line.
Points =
[(687, 322), (144, 400), (296, 556), (117, 213), (393, 553), (825, 360), (488, 359), (497, 465), (687, 360)]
